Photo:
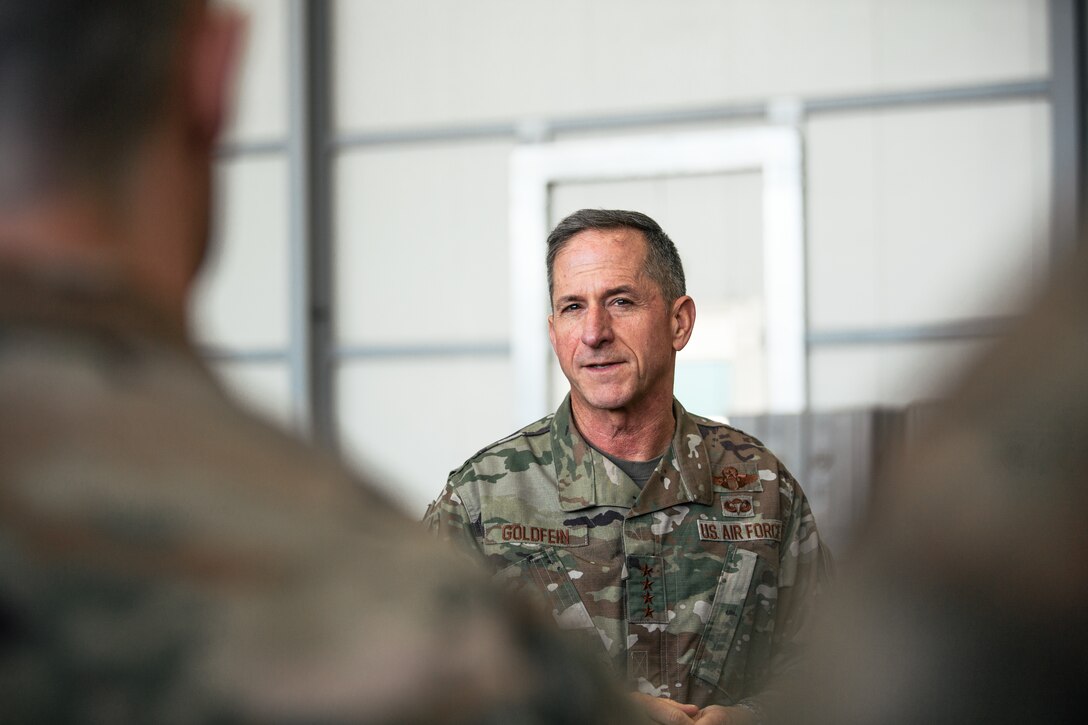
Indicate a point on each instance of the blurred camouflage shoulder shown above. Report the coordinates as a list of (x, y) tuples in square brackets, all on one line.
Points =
[(965, 600), (167, 557)]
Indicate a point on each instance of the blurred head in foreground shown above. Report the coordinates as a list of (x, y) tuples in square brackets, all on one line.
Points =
[(109, 113), (165, 557), (968, 601)]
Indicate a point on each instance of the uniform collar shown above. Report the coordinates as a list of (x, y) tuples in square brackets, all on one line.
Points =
[(587, 478), (70, 299)]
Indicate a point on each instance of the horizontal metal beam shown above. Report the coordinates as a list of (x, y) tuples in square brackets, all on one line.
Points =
[(470, 349), (425, 135), (754, 111), (935, 96), (962, 330), (967, 329), (235, 149), (254, 355)]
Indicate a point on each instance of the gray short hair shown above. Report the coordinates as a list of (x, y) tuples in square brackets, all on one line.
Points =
[(80, 84), (662, 259)]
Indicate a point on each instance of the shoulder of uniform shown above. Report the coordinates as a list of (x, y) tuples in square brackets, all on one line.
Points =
[(723, 439), (518, 439), (721, 429)]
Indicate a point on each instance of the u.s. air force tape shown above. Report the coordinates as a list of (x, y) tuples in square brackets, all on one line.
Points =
[(767, 530)]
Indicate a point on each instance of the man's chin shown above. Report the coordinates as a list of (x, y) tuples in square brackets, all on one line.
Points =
[(605, 401)]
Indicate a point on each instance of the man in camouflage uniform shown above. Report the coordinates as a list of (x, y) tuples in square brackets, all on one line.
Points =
[(680, 543), (164, 556)]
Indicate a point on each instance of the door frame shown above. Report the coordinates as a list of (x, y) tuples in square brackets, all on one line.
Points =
[(773, 151)]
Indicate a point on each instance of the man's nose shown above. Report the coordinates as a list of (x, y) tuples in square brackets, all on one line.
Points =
[(596, 327)]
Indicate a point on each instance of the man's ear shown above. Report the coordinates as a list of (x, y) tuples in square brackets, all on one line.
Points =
[(683, 321), (551, 330), (213, 55)]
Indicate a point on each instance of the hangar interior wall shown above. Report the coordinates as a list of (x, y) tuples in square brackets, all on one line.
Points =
[(925, 221)]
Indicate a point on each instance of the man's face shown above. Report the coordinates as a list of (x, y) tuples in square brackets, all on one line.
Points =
[(613, 332)]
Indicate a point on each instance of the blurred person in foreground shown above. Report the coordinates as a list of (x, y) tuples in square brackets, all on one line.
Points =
[(968, 599), (681, 547), (164, 556)]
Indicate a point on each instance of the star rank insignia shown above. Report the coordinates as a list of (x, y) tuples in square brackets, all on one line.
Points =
[(646, 590)]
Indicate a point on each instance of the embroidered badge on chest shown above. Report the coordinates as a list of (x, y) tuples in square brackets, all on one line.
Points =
[(738, 505), (739, 476)]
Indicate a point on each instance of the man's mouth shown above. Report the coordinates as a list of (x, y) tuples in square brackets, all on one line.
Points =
[(601, 366)]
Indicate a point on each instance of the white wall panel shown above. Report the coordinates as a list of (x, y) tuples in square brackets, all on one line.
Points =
[(261, 102), (963, 237), (421, 244), (241, 298), (942, 42), (408, 423), (858, 376), (845, 250), (427, 62), (926, 215)]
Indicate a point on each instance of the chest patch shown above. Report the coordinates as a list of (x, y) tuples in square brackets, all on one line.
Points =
[(743, 475), (767, 530), (738, 505), (514, 533)]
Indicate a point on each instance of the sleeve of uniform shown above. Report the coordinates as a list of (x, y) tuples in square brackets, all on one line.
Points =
[(805, 567), (450, 519), (804, 570)]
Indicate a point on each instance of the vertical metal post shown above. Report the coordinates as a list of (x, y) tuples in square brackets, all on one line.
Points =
[(310, 70), (1067, 95)]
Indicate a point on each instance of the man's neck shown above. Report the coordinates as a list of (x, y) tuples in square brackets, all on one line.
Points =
[(62, 234), (629, 434)]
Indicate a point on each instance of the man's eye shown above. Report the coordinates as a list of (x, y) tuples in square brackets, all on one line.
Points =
[(572, 307), (621, 301)]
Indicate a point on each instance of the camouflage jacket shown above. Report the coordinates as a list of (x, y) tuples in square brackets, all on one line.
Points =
[(166, 557), (696, 586)]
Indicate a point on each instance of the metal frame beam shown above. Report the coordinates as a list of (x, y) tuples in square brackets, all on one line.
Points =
[(962, 330), (1068, 62), (754, 111), (467, 349), (235, 149), (311, 220), (249, 355)]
